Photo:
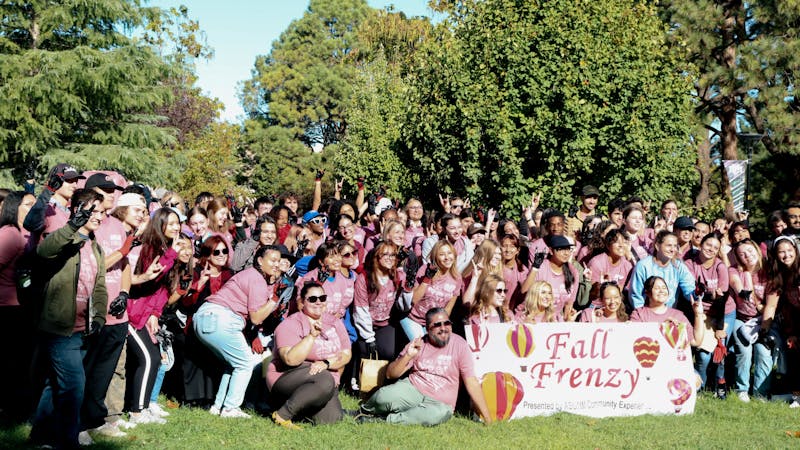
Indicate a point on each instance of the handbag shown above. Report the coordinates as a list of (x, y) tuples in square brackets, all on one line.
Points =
[(371, 375)]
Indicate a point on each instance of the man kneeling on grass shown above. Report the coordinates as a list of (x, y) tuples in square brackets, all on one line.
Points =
[(428, 395)]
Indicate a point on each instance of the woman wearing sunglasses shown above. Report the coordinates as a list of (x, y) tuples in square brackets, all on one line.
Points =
[(201, 373), (491, 306), (220, 320), (311, 348), (612, 309)]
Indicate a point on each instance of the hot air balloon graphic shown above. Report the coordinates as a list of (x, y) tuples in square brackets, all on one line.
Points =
[(477, 337), (676, 336), (680, 390), (520, 341), (503, 392), (646, 351)]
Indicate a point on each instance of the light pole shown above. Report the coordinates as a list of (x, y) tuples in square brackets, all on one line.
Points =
[(748, 141)]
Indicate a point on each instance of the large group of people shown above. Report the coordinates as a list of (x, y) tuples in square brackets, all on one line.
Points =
[(113, 294)]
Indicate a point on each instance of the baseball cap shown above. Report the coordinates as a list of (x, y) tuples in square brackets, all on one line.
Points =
[(683, 223), (67, 172), (102, 181)]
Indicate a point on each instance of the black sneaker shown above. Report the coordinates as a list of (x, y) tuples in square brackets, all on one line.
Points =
[(368, 418), (721, 393)]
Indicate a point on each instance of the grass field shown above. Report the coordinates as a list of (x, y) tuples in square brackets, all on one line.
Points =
[(716, 424)]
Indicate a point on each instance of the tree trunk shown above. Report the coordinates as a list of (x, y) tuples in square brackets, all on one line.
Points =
[(704, 170)]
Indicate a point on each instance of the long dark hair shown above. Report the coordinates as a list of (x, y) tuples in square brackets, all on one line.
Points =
[(154, 242), (371, 264), (783, 277), (9, 212)]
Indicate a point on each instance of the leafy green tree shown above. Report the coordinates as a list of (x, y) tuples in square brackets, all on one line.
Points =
[(214, 161), (74, 84), (518, 96), (742, 58)]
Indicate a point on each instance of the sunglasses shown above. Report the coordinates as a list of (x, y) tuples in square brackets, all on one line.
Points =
[(501, 290), (456, 206), (319, 220), (218, 252), (314, 298), (347, 255), (445, 323)]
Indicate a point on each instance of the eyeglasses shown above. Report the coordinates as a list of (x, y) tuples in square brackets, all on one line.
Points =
[(501, 290), (319, 220), (218, 252), (445, 323), (347, 255), (317, 298), (388, 255)]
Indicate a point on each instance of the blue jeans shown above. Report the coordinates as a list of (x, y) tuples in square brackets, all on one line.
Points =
[(220, 329), (758, 356), (57, 418), (162, 371), (702, 358)]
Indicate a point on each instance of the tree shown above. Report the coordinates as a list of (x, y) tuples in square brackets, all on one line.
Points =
[(546, 96), (213, 161), (73, 84), (305, 81), (742, 58)]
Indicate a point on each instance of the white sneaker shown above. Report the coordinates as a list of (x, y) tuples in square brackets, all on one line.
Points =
[(157, 410), (84, 439), (145, 417), (214, 410), (743, 397), (109, 429), (235, 413), (123, 424), (794, 404)]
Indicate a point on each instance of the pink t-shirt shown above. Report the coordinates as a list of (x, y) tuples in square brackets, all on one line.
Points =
[(414, 232), (86, 280), (756, 283), (593, 315), (438, 294), (12, 246), (435, 371), (514, 278), (339, 289), (327, 345), (55, 217), (519, 316), (110, 237), (714, 277), (645, 314), (380, 306), (244, 292), (601, 266), (483, 318), (560, 294)]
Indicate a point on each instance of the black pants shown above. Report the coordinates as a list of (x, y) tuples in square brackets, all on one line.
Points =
[(99, 364), (16, 389), (144, 358), (297, 394)]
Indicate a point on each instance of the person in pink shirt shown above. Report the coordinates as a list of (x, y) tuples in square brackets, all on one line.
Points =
[(311, 349), (514, 271), (612, 309), (486, 261), (559, 273), (339, 288), (616, 263), (538, 305), (491, 305), (15, 246), (437, 362), (221, 319), (633, 218), (711, 276), (149, 295), (439, 285), (376, 292), (415, 231), (655, 309)]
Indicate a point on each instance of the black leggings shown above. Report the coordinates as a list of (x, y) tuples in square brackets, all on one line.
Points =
[(300, 395), (144, 358)]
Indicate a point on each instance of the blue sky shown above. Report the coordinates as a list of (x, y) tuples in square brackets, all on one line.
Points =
[(239, 30)]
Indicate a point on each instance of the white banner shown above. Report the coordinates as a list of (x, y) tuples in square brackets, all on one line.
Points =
[(597, 370), (737, 177)]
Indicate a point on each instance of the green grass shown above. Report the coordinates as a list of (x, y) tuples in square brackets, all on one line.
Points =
[(715, 424)]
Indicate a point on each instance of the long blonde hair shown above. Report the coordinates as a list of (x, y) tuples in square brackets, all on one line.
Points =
[(483, 255), (453, 271), (533, 302)]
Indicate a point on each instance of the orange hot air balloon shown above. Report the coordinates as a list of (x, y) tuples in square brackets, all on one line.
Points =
[(520, 340), (477, 337), (680, 390), (503, 392), (646, 351), (676, 336)]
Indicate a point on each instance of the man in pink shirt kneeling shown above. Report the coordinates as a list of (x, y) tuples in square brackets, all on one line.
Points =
[(428, 395)]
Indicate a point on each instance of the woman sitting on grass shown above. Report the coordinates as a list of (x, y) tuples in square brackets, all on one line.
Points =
[(311, 348)]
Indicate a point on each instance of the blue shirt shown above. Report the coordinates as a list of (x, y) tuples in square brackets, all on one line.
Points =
[(675, 274)]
